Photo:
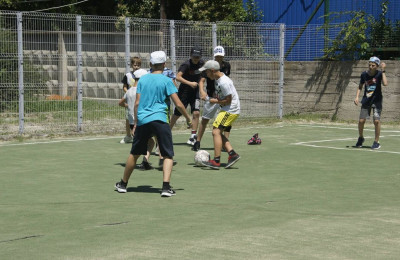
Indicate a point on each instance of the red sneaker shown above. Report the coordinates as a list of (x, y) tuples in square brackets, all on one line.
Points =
[(212, 164)]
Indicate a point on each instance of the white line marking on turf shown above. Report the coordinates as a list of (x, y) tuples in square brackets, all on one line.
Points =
[(311, 144), (347, 128)]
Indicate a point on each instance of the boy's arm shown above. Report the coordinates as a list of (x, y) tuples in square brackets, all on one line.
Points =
[(203, 93), (181, 108), (384, 79), (184, 81), (125, 88), (122, 103), (358, 93), (136, 107), (223, 102)]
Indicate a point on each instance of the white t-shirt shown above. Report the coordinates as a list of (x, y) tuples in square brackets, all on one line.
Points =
[(130, 97), (224, 87)]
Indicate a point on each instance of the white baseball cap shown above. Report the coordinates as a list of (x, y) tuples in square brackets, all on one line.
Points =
[(375, 60), (158, 57), (210, 65), (140, 72), (219, 51)]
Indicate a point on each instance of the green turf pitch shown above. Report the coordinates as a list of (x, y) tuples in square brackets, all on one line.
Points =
[(304, 193)]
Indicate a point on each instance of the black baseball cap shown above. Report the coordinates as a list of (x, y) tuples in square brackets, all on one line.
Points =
[(196, 52)]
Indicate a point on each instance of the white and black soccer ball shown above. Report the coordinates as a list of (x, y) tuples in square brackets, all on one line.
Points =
[(201, 156)]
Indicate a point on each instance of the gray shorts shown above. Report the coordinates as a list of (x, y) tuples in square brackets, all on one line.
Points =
[(210, 110), (376, 111)]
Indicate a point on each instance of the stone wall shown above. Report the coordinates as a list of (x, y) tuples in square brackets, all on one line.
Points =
[(330, 88)]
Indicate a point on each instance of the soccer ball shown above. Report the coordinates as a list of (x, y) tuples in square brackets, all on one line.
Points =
[(201, 156)]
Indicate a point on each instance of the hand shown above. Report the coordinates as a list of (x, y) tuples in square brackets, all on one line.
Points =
[(194, 84), (189, 123), (383, 66), (356, 101)]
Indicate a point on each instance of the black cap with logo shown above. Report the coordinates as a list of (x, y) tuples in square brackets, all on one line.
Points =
[(195, 52)]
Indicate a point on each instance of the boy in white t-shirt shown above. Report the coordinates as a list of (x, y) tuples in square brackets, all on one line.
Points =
[(228, 99)]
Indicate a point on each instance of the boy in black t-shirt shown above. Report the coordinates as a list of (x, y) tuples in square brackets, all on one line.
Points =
[(372, 79), (189, 76)]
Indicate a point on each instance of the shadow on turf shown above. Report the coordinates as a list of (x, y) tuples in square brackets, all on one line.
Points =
[(363, 147), (146, 189)]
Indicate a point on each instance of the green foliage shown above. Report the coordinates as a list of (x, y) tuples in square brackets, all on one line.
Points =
[(213, 10), (253, 13), (361, 35), (351, 41)]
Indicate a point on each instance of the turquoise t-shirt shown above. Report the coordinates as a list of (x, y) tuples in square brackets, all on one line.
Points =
[(154, 90)]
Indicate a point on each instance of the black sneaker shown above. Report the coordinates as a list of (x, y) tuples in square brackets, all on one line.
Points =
[(196, 146), (232, 160), (375, 145), (360, 141), (168, 192), (146, 166), (120, 186)]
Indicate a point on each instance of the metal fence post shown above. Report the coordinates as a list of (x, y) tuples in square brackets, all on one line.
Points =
[(281, 67), (20, 74), (214, 35), (79, 70), (127, 45), (172, 39)]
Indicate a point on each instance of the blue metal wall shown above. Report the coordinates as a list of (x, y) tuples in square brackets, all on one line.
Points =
[(297, 12)]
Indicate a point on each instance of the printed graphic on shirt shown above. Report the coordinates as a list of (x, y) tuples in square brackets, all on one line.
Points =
[(370, 86)]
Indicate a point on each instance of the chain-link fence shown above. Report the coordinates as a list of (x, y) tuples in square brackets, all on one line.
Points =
[(62, 73)]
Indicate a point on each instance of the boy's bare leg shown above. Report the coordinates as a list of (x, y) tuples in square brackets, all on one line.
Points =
[(361, 124), (130, 165), (377, 124), (173, 120), (167, 169), (217, 137)]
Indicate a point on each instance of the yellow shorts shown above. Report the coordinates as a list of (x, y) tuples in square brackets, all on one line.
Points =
[(225, 120)]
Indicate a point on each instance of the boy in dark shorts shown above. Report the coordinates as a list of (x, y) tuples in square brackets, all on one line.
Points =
[(189, 77), (151, 119)]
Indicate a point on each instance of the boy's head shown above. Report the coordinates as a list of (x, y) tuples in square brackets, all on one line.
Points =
[(212, 69), (373, 63), (195, 54), (136, 63), (157, 60), (140, 72), (219, 54)]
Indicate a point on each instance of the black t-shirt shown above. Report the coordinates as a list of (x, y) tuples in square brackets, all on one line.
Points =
[(373, 85), (225, 68), (190, 72)]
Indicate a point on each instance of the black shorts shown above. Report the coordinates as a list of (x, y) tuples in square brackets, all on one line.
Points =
[(159, 129), (188, 97)]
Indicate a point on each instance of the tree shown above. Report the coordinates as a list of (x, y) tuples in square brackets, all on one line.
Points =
[(214, 10)]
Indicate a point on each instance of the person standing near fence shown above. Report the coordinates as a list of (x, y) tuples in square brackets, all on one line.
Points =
[(151, 119), (210, 110), (372, 81), (128, 81), (189, 77), (228, 99)]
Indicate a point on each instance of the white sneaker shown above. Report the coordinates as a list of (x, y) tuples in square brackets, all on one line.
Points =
[(127, 139), (192, 140), (157, 150)]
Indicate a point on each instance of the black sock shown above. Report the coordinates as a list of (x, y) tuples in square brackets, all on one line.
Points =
[(217, 159), (165, 185), (232, 152), (124, 182)]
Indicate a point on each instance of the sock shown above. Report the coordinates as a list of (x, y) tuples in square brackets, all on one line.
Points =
[(124, 182), (217, 159), (165, 185), (194, 132), (232, 152)]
